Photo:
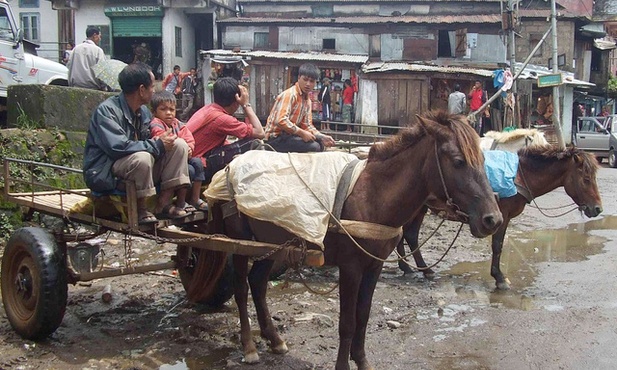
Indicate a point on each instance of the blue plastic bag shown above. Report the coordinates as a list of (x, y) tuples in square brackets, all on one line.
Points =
[(501, 168)]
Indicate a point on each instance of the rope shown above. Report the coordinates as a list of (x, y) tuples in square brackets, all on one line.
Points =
[(533, 199), (442, 256), (338, 222)]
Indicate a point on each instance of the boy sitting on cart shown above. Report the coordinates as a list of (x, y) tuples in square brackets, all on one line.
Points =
[(119, 147)]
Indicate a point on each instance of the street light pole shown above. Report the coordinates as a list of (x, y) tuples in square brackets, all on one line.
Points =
[(556, 108)]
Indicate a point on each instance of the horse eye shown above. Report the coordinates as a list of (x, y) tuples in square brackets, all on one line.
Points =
[(458, 162)]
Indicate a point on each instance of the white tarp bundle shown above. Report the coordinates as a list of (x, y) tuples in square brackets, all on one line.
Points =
[(295, 191)]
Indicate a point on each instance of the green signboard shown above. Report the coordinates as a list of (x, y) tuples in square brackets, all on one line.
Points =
[(550, 80), (134, 11)]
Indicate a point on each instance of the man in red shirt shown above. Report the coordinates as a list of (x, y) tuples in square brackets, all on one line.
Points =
[(213, 123), (476, 96)]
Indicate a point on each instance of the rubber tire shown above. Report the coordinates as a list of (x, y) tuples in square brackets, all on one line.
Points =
[(224, 290), (37, 311), (612, 161)]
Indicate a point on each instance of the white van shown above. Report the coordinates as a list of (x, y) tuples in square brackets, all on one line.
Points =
[(19, 67)]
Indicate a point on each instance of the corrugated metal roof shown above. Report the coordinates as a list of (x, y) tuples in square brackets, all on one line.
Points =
[(354, 1), (374, 67), (406, 19), (532, 71), (315, 56)]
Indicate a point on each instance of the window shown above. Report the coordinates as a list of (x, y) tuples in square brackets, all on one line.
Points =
[(444, 47), (6, 32), (105, 42), (329, 44), (31, 26), (179, 42), (260, 41), (28, 3)]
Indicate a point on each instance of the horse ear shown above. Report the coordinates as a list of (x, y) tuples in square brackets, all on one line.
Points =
[(431, 128)]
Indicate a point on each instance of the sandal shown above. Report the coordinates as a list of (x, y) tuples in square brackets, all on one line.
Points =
[(201, 205), (173, 212), (146, 218), (188, 208)]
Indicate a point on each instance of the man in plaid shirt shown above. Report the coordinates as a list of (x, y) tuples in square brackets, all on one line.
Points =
[(290, 124)]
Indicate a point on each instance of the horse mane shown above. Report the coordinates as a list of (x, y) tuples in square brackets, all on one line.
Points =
[(537, 137), (551, 153), (451, 125)]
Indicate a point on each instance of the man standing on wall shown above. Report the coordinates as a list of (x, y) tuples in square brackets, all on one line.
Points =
[(83, 57)]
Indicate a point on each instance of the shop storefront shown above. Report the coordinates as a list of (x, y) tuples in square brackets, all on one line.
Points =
[(136, 33), (267, 74)]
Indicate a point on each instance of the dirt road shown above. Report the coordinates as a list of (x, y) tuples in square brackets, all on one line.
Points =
[(560, 313)]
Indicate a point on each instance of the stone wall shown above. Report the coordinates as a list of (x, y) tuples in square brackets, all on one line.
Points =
[(67, 108)]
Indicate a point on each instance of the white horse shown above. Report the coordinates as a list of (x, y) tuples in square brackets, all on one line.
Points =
[(512, 141)]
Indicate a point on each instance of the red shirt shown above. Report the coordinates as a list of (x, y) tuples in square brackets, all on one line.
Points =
[(210, 127), (158, 127), (348, 95), (475, 99)]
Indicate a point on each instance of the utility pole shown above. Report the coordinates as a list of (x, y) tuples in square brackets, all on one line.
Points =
[(512, 19), (556, 108)]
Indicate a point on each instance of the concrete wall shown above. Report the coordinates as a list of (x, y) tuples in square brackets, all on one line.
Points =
[(89, 13), (177, 18), (48, 28), (67, 108)]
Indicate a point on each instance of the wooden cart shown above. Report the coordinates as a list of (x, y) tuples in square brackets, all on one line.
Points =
[(38, 264)]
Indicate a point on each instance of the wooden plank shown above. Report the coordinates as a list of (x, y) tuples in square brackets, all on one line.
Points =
[(242, 247)]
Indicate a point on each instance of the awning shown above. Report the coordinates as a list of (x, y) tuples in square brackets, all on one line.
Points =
[(593, 30), (604, 44)]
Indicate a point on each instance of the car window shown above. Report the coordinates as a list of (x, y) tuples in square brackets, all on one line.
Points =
[(586, 125)]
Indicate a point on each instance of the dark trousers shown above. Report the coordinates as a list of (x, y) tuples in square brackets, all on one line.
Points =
[(196, 169), (285, 143)]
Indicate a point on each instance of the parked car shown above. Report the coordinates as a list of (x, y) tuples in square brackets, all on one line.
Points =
[(612, 146), (592, 135)]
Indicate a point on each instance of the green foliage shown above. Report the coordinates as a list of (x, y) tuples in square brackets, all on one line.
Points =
[(24, 121), (37, 146), (612, 85)]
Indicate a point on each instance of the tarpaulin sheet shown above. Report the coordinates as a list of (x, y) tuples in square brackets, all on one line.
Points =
[(501, 167)]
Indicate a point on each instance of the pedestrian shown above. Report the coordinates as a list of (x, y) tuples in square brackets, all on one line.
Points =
[(324, 99), (163, 105), (347, 103), (290, 124), (457, 101), (173, 81), (189, 89), (212, 124), (477, 97), (68, 49), (85, 56), (119, 148)]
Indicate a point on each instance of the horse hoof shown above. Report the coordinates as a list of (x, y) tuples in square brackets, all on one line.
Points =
[(503, 286), (280, 349), (429, 275), (251, 358)]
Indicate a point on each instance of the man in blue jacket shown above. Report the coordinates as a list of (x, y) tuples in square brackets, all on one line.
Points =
[(119, 147)]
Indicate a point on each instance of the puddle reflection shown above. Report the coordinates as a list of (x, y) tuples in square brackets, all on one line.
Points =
[(522, 251)]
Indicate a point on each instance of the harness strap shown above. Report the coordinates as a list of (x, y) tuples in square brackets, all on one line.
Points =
[(343, 185), (366, 230)]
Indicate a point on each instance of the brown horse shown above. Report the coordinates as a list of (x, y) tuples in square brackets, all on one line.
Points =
[(438, 158), (541, 170)]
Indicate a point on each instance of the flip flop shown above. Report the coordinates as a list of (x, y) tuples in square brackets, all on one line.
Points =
[(201, 205), (147, 218), (188, 208), (170, 211)]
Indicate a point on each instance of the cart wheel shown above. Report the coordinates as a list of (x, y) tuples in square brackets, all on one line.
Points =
[(278, 269), (34, 283), (197, 282)]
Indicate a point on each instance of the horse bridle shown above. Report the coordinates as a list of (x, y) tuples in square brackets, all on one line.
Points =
[(450, 205)]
